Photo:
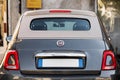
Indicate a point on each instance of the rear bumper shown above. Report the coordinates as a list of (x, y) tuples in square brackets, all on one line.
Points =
[(16, 75), (10, 77)]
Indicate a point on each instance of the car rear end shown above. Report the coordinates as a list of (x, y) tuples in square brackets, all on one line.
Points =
[(60, 43)]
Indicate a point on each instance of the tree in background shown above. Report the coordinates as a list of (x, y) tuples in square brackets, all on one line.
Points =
[(109, 12)]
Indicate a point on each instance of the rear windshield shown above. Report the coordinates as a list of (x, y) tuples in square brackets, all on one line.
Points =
[(60, 24)]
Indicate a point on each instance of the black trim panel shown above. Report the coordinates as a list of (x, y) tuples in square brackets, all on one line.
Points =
[(60, 72)]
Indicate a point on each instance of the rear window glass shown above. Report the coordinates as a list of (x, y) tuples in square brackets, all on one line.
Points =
[(60, 24)]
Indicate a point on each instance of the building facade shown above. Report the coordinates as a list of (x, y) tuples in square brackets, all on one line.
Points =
[(17, 7), (3, 23)]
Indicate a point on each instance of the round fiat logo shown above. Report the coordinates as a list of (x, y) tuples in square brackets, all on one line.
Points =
[(60, 43)]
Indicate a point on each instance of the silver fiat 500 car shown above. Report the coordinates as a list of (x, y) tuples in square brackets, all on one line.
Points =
[(60, 43)]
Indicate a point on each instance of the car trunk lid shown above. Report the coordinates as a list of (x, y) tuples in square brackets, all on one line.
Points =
[(88, 51)]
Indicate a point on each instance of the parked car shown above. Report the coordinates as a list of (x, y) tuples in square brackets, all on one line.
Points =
[(60, 43)]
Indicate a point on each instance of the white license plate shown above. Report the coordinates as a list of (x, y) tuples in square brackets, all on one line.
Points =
[(60, 63)]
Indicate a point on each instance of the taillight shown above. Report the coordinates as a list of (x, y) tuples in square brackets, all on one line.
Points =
[(108, 64), (11, 60), (59, 11)]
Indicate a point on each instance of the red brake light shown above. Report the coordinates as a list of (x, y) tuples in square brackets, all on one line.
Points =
[(105, 66), (11, 60), (60, 11)]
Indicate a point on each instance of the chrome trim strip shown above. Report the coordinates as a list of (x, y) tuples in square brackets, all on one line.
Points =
[(57, 54)]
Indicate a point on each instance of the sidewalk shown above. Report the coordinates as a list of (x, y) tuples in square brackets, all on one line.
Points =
[(2, 51)]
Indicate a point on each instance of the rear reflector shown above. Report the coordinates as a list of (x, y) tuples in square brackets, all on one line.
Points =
[(112, 65), (60, 11), (11, 60)]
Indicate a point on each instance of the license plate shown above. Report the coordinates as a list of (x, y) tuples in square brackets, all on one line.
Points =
[(60, 63)]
